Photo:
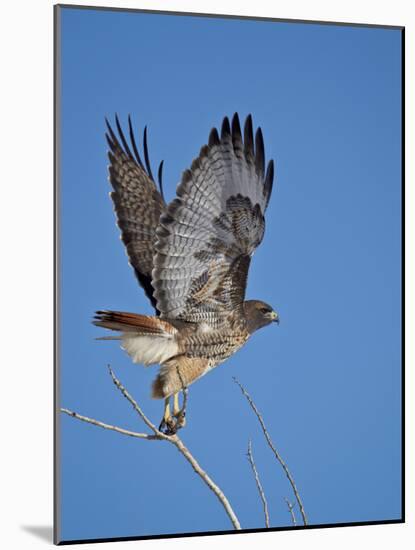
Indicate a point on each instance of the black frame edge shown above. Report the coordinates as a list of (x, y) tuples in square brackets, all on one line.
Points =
[(227, 16), (56, 273)]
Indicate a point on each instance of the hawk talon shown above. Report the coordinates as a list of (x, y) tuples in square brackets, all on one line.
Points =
[(168, 427), (161, 425)]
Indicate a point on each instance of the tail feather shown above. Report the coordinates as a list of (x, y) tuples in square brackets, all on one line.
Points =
[(147, 340), (133, 322)]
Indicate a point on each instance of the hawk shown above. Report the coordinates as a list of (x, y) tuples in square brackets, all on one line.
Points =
[(191, 256)]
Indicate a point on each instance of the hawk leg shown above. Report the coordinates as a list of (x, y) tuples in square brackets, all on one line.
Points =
[(179, 413), (170, 423)]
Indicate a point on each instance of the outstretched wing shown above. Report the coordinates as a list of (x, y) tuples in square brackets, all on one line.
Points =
[(137, 202), (209, 232)]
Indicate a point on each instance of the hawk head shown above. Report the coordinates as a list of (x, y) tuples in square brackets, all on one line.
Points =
[(259, 314)]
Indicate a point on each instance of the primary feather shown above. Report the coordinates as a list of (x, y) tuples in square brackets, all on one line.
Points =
[(207, 235), (137, 202)]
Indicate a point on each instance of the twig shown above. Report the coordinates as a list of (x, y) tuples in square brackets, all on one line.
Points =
[(291, 510), (108, 426), (158, 435), (258, 483), (178, 443), (209, 482), (136, 406), (274, 450)]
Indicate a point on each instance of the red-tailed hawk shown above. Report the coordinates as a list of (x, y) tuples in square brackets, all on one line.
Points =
[(191, 256)]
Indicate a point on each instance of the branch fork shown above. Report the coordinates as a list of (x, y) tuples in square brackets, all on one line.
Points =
[(158, 435)]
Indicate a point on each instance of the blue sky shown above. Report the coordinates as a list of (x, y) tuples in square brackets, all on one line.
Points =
[(327, 380)]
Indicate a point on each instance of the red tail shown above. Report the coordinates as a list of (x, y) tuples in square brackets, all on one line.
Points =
[(132, 322)]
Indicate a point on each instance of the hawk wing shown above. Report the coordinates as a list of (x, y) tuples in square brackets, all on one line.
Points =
[(208, 234), (137, 202)]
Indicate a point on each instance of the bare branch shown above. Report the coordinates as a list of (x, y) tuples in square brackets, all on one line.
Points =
[(177, 442), (209, 482), (291, 510), (274, 450), (108, 426), (173, 439), (136, 406), (258, 483)]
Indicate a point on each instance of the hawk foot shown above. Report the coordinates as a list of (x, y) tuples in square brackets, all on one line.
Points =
[(180, 419), (171, 422), (169, 426)]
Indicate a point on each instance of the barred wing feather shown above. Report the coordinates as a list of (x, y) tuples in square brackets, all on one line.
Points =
[(207, 235), (137, 202)]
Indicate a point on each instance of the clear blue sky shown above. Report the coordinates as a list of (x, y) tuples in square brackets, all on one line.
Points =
[(327, 380)]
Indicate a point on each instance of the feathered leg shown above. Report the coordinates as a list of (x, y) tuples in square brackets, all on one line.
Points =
[(178, 412), (175, 376)]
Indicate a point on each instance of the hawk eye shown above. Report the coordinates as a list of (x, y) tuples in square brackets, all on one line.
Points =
[(264, 310)]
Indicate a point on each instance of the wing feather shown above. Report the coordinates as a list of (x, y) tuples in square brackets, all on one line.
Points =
[(137, 202), (207, 235)]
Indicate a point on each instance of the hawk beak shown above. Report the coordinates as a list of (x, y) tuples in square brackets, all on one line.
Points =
[(274, 317)]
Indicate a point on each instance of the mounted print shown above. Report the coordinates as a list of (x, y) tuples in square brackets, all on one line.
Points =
[(229, 196)]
